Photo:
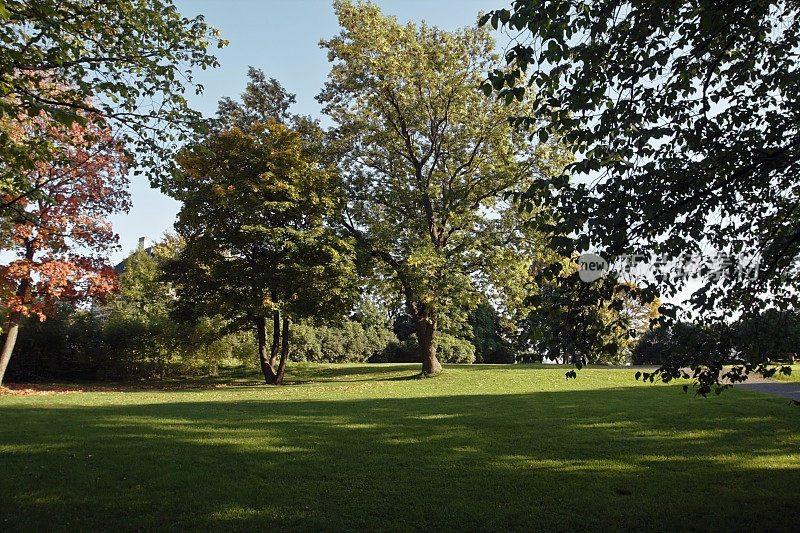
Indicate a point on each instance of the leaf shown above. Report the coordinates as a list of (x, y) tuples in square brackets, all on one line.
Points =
[(543, 135)]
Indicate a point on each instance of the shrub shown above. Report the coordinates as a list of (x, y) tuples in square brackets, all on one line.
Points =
[(350, 342), (449, 349), (406, 351), (62, 347)]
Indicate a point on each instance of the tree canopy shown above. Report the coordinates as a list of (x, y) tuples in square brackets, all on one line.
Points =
[(125, 64), (684, 120), (257, 243), (428, 162), (61, 240)]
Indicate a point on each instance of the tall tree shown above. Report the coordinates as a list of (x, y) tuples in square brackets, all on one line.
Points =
[(265, 99), (262, 100), (685, 114), (257, 245), (125, 64), (429, 161), (62, 240)]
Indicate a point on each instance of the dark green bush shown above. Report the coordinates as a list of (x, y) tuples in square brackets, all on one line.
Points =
[(449, 349), (350, 342)]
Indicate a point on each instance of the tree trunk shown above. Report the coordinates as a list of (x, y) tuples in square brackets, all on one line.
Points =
[(276, 338), (10, 341), (427, 347), (13, 322), (284, 352), (266, 367)]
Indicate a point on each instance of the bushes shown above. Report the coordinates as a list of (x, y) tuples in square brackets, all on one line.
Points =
[(772, 335), (351, 342), (449, 349), (63, 347), (126, 345), (489, 336), (80, 345), (406, 351)]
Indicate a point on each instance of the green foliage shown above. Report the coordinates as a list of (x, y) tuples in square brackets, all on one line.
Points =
[(258, 242), (122, 63), (67, 346), (487, 333), (130, 338), (654, 347), (263, 100), (679, 344), (428, 162), (405, 351), (699, 350), (773, 336), (348, 342), (449, 349), (403, 326), (252, 200), (362, 336), (683, 114), (562, 308), (142, 294), (137, 327), (80, 345), (489, 337)]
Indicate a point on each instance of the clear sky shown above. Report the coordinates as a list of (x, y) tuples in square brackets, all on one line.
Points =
[(280, 37)]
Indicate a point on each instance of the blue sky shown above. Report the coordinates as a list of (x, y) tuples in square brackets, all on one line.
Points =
[(280, 37)]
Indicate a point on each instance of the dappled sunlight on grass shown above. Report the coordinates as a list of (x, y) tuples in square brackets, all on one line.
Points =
[(487, 448)]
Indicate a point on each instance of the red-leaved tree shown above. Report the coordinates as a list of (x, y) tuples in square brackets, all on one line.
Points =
[(62, 238)]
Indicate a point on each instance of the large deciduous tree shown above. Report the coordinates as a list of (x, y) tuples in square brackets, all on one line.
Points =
[(125, 64), (62, 239), (428, 163), (257, 244), (685, 115)]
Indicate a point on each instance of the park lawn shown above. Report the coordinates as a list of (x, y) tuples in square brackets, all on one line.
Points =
[(371, 447), (793, 377)]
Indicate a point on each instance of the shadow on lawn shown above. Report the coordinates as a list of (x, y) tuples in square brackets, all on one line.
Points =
[(301, 373), (616, 458)]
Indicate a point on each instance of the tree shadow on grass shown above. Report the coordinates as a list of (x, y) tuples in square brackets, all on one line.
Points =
[(301, 372), (629, 458)]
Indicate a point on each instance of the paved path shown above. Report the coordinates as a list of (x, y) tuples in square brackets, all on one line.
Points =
[(785, 389)]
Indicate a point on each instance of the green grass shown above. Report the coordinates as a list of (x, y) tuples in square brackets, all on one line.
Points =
[(793, 377), (370, 447)]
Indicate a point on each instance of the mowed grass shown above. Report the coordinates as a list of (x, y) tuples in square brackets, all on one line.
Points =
[(793, 377), (347, 447)]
